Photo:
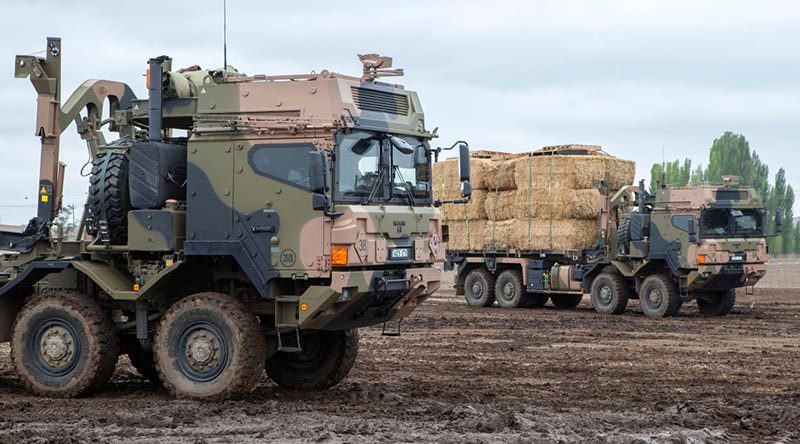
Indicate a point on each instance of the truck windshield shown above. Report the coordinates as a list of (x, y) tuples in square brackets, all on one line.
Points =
[(728, 222), (374, 167)]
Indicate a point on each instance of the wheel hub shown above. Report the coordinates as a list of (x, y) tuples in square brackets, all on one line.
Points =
[(477, 288), (606, 294), (57, 346), (508, 290), (202, 350), (654, 297)]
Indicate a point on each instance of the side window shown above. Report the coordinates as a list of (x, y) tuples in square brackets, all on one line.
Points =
[(284, 162)]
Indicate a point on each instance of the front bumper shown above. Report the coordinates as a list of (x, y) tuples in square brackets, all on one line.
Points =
[(726, 276), (360, 299)]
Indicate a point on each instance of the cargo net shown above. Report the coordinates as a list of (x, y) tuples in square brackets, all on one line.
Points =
[(548, 199)]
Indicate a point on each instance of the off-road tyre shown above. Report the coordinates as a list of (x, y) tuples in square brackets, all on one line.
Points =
[(64, 345), (479, 288), (142, 360), (718, 303), (509, 290), (113, 197), (209, 346), (566, 300), (659, 296), (326, 359), (624, 235), (609, 293)]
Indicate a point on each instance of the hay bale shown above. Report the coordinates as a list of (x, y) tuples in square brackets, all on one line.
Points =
[(541, 234), (472, 210), (499, 175), (555, 203), (501, 205), (446, 183), (571, 171), (467, 235)]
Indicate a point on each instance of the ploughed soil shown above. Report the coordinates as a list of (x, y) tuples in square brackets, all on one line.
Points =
[(464, 374)]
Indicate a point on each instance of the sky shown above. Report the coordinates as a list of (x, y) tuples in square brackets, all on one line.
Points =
[(639, 78)]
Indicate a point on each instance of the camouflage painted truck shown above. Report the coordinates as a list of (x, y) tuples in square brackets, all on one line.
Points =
[(680, 244), (238, 224)]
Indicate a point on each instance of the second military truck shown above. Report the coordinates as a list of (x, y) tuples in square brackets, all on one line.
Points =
[(680, 244)]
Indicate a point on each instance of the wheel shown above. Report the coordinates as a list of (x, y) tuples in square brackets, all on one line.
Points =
[(609, 293), (142, 360), (479, 288), (509, 289), (209, 346), (536, 300), (64, 345), (566, 300), (659, 296), (624, 235), (326, 359), (109, 197), (718, 303)]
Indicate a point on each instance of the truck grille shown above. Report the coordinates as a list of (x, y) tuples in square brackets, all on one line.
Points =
[(380, 101)]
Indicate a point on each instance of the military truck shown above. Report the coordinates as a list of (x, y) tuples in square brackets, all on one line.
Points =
[(238, 223), (680, 244)]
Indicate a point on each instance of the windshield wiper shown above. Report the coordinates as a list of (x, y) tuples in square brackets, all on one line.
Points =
[(408, 193), (376, 185)]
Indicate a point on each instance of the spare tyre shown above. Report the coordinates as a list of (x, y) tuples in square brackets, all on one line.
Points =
[(109, 199)]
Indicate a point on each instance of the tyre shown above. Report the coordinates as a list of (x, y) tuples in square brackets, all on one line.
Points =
[(624, 235), (609, 293), (142, 360), (566, 300), (209, 346), (479, 288), (509, 290), (109, 197), (659, 296), (64, 345), (718, 303), (326, 359), (536, 300)]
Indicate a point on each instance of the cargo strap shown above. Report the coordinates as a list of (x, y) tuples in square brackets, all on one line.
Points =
[(103, 223)]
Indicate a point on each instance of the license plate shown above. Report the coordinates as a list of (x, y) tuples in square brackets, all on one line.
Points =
[(400, 253), (737, 258)]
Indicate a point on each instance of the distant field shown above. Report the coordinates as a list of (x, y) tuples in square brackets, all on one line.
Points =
[(782, 272)]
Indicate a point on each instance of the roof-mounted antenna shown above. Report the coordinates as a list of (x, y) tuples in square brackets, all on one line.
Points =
[(224, 36)]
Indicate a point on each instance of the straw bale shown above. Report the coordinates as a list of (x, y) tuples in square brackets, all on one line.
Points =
[(555, 203), (501, 205), (467, 235), (541, 234), (472, 210), (499, 175), (446, 182), (571, 171)]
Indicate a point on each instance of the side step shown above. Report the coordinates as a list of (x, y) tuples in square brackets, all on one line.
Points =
[(286, 316)]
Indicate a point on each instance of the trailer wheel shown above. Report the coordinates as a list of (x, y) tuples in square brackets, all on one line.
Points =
[(509, 290), (64, 345), (326, 359), (479, 288), (659, 296), (536, 300), (566, 300), (209, 346), (718, 303), (609, 293)]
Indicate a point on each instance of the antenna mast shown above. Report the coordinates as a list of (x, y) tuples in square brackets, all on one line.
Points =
[(224, 35)]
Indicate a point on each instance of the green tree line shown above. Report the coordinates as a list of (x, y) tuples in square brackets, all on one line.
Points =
[(730, 154)]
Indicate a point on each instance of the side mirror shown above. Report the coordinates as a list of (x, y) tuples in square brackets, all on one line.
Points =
[(778, 221), (463, 163), (318, 172), (466, 189), (692, 229)]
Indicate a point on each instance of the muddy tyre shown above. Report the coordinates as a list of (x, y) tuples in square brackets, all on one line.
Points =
[(509, 290), (326, 359), (479, 288), (609, 293), (109, 197), (209, 346), (718, 303), (659, 296), (64, 345), (142, 360), (566, 300)]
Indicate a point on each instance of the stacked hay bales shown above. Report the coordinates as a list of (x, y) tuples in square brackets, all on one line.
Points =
[(535, 201)]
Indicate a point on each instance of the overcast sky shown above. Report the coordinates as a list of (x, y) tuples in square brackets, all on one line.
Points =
[(633, 76)]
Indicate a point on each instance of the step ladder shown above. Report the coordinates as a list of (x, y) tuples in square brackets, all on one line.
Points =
[(287, 317)]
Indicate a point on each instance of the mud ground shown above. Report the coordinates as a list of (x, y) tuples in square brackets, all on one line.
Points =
[(461, 374)]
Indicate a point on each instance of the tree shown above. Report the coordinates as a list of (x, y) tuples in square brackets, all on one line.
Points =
[(675, 173), (66, 218), (781, 197), (730, 155)]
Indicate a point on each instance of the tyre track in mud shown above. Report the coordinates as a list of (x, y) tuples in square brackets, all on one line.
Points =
[(485, 375)]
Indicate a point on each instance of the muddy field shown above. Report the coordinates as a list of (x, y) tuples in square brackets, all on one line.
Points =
[(461, 374)]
